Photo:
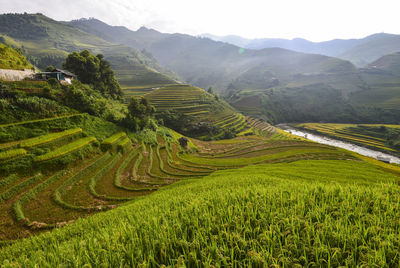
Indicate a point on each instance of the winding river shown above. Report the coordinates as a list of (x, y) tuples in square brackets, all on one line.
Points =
[(345, 145)]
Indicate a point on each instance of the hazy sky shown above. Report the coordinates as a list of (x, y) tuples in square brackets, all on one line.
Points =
[(316, 20)]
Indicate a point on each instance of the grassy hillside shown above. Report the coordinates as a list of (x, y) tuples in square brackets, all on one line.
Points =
[(47, 42), (12, 59), (390, 63), (285, 215), (382, 79)]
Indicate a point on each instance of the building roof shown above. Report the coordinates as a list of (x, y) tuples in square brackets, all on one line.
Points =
[(64, 72)]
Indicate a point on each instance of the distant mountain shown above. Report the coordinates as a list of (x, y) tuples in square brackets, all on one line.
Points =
[(372, 48), (231, 39), (358, 51), (389, 63), (277, 84), (47, 42), (328, 48), (204, 62)]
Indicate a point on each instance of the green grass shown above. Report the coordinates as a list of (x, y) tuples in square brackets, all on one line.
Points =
[(40, 120), (87, 171), (18, 205), (109, 143), (12, 59), (66, 149), (237, 162), (114, 138), (8, 180), (281, 215), (16, 189), (48, 138), (124, 144), (12, 153)]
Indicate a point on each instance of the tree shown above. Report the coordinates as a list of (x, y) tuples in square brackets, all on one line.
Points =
[(140, 113), (95, 71), (50, 68)]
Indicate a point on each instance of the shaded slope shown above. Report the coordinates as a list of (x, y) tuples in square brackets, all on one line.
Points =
[(204, 62)]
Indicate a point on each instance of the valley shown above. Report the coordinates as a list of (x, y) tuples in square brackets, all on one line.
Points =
[(122, 148)]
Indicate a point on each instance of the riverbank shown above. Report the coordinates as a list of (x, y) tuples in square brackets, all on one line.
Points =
[(341, 144)]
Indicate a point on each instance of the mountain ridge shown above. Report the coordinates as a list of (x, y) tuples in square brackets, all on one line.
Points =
[(341, 48), (47, 42)]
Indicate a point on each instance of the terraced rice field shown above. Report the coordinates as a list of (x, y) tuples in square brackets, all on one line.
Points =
[(367, 135), (192, 101), (182, 98), (140, 91), (107, 178)]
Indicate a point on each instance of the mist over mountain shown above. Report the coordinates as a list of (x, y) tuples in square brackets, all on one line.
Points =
[(359, 51), (269, 82), (205, 62), (276, 83)]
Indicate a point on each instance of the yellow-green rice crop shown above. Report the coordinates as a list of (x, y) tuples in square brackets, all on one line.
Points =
[(12, 153), (301, 214), (66, 149), (48, 138)]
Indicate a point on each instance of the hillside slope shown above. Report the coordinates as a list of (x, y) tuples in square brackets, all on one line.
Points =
[(274, 83), (12, 59), (383, 79), (372, 48), (204, 62), (47, 42), (389, 63), (205, 115)]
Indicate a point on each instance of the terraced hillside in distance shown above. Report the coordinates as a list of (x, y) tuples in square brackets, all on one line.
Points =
[(115, 168), (383, 90), (193, 101), (385, 138)]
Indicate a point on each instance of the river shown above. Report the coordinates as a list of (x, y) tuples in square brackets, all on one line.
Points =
[(345, 145)]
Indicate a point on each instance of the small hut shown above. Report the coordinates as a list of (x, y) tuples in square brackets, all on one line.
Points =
[(63, 76)]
